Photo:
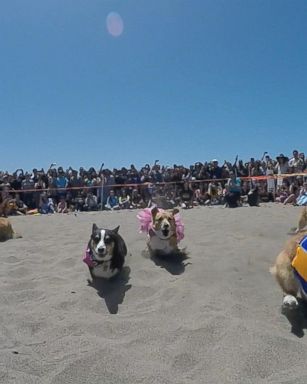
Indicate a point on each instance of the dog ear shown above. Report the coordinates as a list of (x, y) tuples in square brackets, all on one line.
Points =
[(175, 211), (94, 228), (116, 229), (154, 211)]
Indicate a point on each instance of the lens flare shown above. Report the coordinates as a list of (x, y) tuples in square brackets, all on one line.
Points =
[(115, 24)]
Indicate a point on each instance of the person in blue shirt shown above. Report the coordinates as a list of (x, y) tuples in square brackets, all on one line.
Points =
[(112, 201), (233, 191), (61, 182)]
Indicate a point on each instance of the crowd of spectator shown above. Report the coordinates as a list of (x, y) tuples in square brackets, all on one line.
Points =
[(229, 183)]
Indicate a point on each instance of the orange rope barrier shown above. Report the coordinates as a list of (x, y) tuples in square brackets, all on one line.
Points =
[(135, 185)]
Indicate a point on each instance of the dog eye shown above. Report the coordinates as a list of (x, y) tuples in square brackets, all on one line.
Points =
[(96, 238), (107, 240)]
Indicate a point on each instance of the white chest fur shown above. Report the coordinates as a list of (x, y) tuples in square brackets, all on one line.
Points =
[(104, 270), (157, 244)]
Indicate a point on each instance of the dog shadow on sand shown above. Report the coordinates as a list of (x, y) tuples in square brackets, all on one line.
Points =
[(112, 291), (297, 318), (174, 263)]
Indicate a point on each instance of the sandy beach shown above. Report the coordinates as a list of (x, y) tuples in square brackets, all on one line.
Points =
[(214, 318)]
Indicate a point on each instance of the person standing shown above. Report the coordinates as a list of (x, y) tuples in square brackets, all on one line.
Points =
[(282, 167)]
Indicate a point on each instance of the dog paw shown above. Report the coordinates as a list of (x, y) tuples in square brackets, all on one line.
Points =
[(290, 302)]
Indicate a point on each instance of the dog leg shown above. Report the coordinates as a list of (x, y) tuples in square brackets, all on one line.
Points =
[(16, 235), (284, 275), (302, 221), (91, 272)]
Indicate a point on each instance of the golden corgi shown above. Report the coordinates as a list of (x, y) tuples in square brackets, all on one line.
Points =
[(290, 269), (302, 220), (7, 207), (6, 230), (164, 230)]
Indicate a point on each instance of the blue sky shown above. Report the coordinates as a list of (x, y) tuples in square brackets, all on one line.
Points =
[(186, 81)]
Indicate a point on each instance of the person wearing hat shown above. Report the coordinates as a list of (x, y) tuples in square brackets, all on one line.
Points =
[(281, 168), (282, 158)]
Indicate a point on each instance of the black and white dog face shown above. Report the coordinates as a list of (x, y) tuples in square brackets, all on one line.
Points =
[(106, 252), (102, 242)]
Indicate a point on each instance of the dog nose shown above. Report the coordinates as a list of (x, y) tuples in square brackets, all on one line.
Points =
[(101, 249)]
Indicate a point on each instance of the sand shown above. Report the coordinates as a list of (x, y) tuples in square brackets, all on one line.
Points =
[(215, 318)]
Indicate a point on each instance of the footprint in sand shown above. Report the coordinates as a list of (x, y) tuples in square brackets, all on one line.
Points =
[(12, 260), (184, 362), (19, 272)]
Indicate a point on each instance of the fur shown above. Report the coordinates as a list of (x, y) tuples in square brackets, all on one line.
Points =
[(7, 207), (107, 250), (6, 230), (302, 222), (284, 272), (253, 197), (162, 237)]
